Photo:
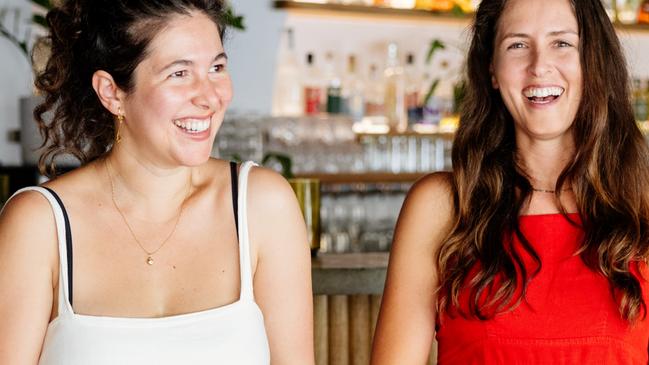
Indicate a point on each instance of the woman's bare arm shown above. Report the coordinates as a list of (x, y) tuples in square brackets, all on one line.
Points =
[(282, 280), (28, 261), (406, 324)]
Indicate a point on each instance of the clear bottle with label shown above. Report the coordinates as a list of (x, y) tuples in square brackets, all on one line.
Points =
[(333, 81), (413, 86), (395, 91), (374, 93), (313, 85), (287, 93), (353, 91), (640, 100)]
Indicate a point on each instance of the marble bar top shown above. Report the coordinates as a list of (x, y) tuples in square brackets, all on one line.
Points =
[(349, 273)]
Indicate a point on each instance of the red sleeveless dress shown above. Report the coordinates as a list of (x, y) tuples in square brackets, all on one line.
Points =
[(568, 315)]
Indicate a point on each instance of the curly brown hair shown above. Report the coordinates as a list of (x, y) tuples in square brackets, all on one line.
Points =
[(91, 35), (608, 174)]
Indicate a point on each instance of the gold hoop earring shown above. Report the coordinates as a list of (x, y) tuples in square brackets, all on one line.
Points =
[(120, 121)]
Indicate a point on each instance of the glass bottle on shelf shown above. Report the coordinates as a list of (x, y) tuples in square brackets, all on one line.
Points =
[(287, 93), (312, 87), (374, 94), (640, 100), (353, 91), (402, 4), (412, 90), (627, 11), (394, 100), (643, 12), (334, 85)]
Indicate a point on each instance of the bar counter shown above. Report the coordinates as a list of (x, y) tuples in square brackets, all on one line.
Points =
[(346, 301), (349, 273)]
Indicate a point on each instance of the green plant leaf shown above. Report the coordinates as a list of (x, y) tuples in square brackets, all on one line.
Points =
[(46, 4), (18, 43), (431, 91), (435, 44), (457, 10), (231, 19), (40, 20), (284, 160)]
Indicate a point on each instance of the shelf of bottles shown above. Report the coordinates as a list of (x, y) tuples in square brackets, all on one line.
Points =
[(625, 14)]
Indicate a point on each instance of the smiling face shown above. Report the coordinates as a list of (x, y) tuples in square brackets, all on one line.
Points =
[(536, 67), (181, 92)]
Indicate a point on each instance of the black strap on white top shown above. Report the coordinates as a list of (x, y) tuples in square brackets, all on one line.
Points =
[(68, 241), (235, 193), (68, 234)]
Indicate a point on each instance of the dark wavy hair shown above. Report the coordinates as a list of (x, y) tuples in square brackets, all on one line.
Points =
[(608, 175), (91, 35)]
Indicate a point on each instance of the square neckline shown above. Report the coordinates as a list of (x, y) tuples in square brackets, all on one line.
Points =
[(239, 195)]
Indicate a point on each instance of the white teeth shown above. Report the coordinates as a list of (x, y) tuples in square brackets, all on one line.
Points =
[(542, 92), (193, 125)]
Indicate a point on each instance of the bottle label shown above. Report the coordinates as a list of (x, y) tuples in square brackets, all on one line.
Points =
[(312, 100)]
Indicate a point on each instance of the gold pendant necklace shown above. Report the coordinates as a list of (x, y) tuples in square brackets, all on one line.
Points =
[(149, 258)]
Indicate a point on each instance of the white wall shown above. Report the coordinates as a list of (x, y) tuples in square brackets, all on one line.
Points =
[(252, 55), (15, 82)]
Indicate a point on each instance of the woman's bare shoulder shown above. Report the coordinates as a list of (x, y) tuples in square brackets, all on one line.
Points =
[(268, 190), (27, 225), (434, 193), (427, 214)]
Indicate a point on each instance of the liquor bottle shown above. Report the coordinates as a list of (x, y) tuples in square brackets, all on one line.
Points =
[(374, 93), (627, 11), (402, 4), (640, 100), (413, 87), (395, 91), (287, 94), (353, 91), (334, 86), (643, 12), (312, 87)]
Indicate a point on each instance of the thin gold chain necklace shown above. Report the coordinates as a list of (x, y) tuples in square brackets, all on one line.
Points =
[(549, 191), (149, 259)]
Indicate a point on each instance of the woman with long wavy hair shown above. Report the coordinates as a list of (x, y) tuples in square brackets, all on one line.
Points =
[(533, 250), (151, 252)]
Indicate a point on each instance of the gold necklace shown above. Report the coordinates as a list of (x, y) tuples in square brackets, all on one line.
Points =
[(149, 258), (549, 191)]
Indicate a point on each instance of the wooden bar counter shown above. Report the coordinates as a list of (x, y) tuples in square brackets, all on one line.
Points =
[(349, 273), (347, 297)]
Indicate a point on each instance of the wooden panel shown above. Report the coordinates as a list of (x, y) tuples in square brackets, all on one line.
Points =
[(320, 329), (338, 330), (375, 306), (360, 328)]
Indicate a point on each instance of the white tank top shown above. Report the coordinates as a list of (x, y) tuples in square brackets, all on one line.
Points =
[(231, 334)]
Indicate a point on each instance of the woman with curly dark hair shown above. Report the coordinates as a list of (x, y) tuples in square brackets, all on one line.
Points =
[(149, 252), (533, 250)]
